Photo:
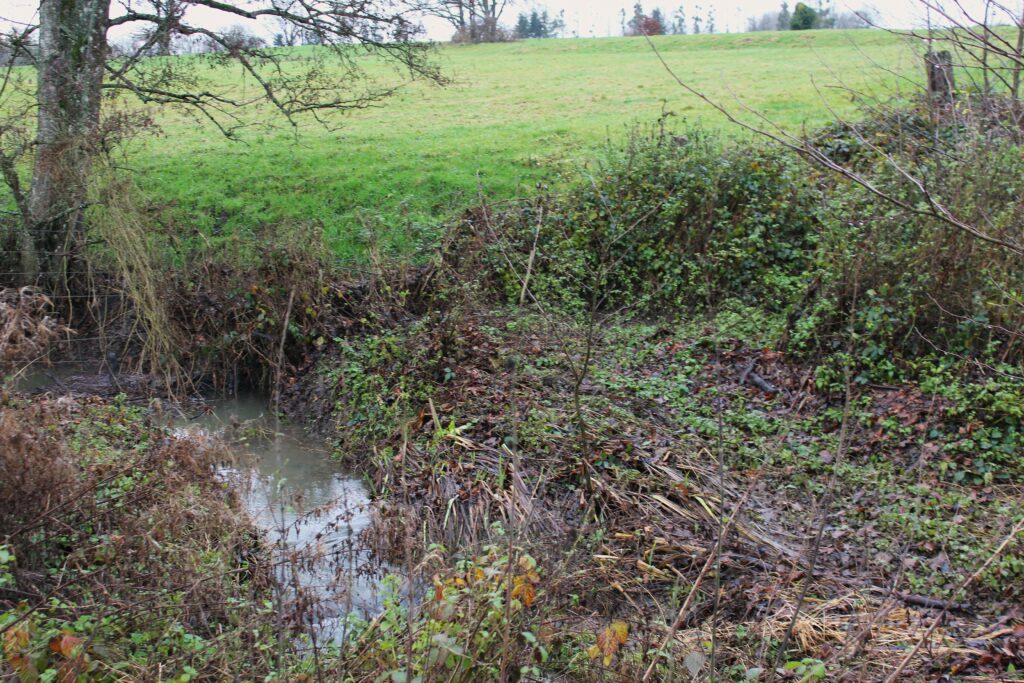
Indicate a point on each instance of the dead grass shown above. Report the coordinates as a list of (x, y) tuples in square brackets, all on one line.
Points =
[(114, 522), (28, 326)]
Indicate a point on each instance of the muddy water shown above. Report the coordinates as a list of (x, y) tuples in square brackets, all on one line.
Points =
[(312, 512)]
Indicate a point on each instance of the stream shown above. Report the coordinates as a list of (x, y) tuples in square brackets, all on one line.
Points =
[(312, 512)]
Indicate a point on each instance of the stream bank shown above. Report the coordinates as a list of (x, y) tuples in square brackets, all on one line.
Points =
[(312, 512), (560, 521)]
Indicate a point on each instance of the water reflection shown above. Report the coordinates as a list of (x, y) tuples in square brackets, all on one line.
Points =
[(312, 512)]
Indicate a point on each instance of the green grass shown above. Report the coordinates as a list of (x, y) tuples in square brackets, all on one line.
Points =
[(515, 113)]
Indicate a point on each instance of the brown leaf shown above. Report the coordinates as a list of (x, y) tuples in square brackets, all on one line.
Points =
[(65, 645), (609, 640)]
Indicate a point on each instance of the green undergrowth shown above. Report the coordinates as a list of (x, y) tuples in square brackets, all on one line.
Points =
[(683, 224), (449, 398), (932, 467)]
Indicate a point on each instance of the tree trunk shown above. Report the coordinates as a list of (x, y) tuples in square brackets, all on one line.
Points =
[(164, 43), (72, 53), (941, 85), (168, 12)]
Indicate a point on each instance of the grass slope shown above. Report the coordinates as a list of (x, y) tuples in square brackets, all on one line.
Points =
[(514, 113)]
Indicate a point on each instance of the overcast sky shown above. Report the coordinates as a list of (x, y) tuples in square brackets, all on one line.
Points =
[(597, 17)]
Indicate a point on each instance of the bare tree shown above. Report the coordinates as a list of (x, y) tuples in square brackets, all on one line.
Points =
[(474, 21), (862, 18), (170, 13), (769, 21), (288, 35), (75, 68)]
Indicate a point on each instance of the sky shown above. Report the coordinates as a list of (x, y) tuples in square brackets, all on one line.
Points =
[(587, 18)]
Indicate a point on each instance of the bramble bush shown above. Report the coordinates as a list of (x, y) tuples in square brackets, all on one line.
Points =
[(678, 223), (674, 222)]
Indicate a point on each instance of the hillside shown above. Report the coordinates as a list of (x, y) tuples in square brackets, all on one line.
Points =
[(514, 113)]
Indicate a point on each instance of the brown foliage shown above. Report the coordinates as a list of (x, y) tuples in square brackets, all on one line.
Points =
[(28, 327), (136, 520)]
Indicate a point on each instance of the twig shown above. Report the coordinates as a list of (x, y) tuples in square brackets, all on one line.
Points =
[(684, 611), (932, 208), (949, 603), (533, 255), (933, 603), (280, 352), (763, 384)]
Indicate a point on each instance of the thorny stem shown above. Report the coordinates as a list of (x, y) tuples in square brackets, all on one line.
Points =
[(721, 515), (1015, 92), (410, 623), (279, 625), (507, 634), (280, 352)]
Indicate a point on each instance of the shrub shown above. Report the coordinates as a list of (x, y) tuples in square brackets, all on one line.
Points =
[(121, 551), (914, 284), (676, 221)]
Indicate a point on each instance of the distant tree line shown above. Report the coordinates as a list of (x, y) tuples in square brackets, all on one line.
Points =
[(657, 23), (233, 39), (803, 17), (539, 25), (474, 21)]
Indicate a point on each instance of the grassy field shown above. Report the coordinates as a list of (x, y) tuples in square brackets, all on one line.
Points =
[(514, 113)]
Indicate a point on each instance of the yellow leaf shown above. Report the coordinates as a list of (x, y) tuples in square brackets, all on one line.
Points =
[(438, 588), (609, 639), (621, 631), (593, 652), (524, 591)]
